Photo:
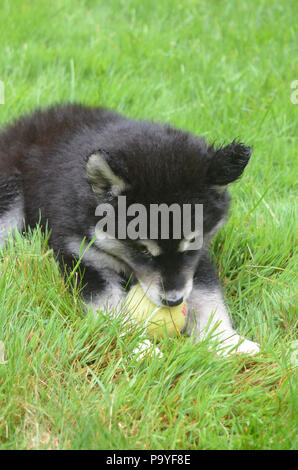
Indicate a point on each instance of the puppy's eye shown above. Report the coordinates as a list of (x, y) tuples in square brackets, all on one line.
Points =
[(142, 249)]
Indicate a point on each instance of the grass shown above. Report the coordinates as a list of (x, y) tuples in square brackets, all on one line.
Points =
[(219, 69)]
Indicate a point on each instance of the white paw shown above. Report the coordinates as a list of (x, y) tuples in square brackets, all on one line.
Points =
[(236, 344), (146, 347)]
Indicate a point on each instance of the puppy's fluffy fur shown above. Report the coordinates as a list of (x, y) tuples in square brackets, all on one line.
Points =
[(61, 163)]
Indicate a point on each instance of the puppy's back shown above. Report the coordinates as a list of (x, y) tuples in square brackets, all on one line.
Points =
[(42, 130)]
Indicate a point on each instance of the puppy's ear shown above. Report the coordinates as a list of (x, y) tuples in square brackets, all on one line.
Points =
[(228, 163), (101, 176)]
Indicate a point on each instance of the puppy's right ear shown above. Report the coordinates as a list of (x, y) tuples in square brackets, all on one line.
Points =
[(101, 176), (228, 163)]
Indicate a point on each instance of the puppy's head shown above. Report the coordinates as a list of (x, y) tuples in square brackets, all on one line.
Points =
[(144, 165)]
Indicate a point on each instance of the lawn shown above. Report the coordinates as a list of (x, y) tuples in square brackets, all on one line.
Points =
[(221, 69)]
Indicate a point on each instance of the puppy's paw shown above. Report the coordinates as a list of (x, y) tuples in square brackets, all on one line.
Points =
[(146, 347), (236, 344), (248, 347)]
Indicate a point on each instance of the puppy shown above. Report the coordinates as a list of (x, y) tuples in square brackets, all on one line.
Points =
[(62, 165)]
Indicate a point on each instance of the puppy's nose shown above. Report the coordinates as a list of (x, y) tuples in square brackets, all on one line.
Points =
[(172, 302)]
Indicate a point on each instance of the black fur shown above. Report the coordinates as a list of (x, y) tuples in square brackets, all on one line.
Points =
[(46, 153), (10, 189)]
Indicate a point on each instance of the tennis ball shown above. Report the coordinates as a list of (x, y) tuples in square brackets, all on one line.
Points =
[(155, 318)]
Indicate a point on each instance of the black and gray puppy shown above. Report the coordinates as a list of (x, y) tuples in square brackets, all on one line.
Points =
[(61, 163)]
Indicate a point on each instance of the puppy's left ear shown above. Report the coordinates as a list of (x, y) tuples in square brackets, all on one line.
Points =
[(228, 163), (101, 176)]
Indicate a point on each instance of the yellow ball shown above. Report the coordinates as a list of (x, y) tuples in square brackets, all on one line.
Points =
[(154, 317)]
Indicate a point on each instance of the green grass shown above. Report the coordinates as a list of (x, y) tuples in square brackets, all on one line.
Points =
[(221, 69)]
